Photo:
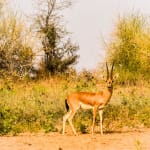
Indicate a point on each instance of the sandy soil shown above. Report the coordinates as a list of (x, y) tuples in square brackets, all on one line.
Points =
[(127, 140)]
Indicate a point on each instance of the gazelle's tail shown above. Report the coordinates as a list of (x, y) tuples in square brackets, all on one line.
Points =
[(66, 104)]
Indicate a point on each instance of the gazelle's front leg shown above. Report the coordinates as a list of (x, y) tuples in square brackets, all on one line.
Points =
[(94, 116), (101, 120)]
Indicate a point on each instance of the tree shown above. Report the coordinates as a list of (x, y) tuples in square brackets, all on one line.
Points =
[(60, 52), (15, 54), (130, 48)]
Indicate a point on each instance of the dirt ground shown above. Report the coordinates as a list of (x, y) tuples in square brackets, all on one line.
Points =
[(127, 140)]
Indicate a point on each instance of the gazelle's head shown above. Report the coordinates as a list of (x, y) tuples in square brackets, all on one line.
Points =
[(109, 79)]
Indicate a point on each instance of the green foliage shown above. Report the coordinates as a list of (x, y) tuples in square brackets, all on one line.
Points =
[(131, 112), (39, 105), (130, 49), (83, 120), (15, 54)]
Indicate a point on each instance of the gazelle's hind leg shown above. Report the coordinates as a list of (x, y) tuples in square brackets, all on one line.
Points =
[(65, 117), (69, 116), (70, 121)]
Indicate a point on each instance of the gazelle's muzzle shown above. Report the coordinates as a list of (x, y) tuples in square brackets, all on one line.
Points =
[(109, 84)]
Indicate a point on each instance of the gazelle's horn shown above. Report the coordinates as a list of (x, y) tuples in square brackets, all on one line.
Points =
[(107, 70), (111, 73)]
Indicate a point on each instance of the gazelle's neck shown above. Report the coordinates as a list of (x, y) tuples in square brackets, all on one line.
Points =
[(108, 93)]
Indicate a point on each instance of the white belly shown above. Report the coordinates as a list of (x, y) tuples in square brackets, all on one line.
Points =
[(86, 106)]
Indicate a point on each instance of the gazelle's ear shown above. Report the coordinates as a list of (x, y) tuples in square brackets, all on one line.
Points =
[(104, 78), (115, 76)]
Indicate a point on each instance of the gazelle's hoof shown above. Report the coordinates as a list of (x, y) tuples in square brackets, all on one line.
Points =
[(76, 134)]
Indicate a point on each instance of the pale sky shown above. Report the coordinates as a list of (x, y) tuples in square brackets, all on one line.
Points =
[(90, 21)]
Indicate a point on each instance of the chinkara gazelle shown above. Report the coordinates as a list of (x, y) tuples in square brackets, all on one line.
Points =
[(87, 100)]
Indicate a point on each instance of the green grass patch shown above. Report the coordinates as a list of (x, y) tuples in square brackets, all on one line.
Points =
[(39, 105)]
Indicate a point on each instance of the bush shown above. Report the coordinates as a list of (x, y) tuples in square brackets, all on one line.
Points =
[(129, 49)]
